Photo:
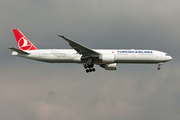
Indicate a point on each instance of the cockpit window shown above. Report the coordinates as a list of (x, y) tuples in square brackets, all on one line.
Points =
[(166, 54)]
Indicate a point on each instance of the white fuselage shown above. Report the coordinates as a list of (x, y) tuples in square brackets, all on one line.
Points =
[(105, 58), (119, 56)]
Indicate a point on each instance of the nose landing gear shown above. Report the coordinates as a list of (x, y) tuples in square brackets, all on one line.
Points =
[(159, 66), (89, 68)]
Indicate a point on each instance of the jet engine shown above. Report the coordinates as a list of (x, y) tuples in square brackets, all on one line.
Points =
[(112, 66)]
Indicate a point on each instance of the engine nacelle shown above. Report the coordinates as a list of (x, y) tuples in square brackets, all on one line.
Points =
[(112, 66), (107, 58)]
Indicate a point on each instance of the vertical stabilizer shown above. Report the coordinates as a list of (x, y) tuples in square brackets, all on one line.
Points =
[(22, 41)]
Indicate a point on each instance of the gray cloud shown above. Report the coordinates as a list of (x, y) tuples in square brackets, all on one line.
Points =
[(124, 94), (42, 91)]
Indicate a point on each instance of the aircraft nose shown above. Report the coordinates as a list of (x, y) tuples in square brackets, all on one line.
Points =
[(169, 58)]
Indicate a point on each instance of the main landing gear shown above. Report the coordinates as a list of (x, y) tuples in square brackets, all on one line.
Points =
[(89, 68), (159, 66)]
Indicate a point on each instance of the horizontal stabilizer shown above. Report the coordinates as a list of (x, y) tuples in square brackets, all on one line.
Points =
[(19, 51)]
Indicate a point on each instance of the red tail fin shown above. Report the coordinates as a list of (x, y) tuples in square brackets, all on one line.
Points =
[(22, 41)]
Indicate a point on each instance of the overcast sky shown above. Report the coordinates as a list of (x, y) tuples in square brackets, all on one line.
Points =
[(32, 90)]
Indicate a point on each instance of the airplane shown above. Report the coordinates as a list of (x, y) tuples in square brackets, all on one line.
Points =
[(105, 58)]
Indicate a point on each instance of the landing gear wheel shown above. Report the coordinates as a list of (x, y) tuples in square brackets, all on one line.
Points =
[(159, 66), (89, 68), (85, 66)]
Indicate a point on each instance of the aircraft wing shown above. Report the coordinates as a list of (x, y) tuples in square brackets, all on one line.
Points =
[(19, 51), (85, 51)]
